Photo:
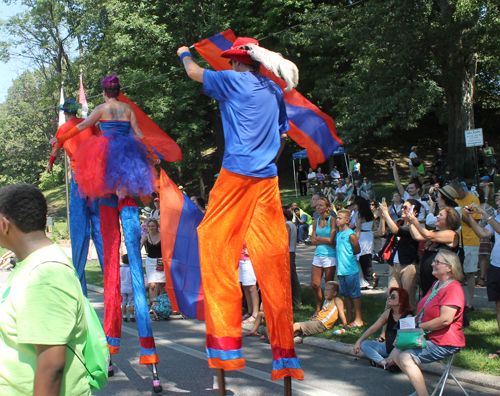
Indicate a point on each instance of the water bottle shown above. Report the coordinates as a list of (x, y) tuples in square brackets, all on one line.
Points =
[(338, 332)]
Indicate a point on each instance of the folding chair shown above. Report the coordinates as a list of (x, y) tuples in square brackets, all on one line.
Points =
[(442, 382)]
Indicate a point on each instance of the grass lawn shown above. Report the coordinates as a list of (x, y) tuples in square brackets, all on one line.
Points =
[(93, 273), (481, 336)]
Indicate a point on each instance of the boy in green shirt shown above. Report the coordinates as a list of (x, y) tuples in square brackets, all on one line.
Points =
[(42, 311)]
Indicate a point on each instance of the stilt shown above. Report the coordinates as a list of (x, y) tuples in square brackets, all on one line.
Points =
[(156, 380), (222, 382), (288, 386)]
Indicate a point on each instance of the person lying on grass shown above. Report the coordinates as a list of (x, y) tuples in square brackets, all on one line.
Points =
[(333, 308)]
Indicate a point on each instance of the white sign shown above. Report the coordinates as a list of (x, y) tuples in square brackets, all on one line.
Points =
[(407, 323), (474, 137)]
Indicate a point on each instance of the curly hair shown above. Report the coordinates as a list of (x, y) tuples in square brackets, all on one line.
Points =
[(111, 85), (24, 206)]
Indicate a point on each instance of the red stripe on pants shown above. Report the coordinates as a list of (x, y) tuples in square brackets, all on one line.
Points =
[(243, 208), (110, 232)]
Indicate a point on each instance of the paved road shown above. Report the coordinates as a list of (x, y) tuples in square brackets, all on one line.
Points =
[(184, 370)]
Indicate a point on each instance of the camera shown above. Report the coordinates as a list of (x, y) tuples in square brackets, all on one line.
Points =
[(431, 197)]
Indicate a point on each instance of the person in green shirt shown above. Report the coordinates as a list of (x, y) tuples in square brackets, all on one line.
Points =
[(42, 314)]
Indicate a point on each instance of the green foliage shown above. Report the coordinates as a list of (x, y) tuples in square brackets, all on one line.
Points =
[(51, 180)]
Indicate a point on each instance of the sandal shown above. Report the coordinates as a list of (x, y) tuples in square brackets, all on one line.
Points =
[(494, 355), (249, 320), (246, 316), (354, 325), (482, 282)]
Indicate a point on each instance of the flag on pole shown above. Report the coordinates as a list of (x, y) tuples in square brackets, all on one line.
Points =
[(82, 99), (62, 118), (309, 126), (179, 218)]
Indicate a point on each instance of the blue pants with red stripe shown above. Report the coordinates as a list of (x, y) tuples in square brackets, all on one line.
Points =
[(128, 212), (84, 222)]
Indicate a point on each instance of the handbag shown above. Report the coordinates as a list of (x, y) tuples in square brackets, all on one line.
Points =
[(461, 250), (410, 339), (159, 264), (387, 250)]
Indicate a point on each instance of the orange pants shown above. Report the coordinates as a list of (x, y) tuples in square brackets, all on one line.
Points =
[(244, 208)]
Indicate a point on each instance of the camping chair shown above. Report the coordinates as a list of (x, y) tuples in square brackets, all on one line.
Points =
[(442, 382)]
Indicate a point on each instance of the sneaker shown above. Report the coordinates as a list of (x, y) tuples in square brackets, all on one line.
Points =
[(132, 319), (125, 319)]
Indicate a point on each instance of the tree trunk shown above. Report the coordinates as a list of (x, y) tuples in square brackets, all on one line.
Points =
[(459, 103), (202, 187)]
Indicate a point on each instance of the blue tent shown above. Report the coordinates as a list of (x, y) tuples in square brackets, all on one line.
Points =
[(303, 154)]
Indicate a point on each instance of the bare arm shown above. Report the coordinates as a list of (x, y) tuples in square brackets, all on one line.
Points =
[(397, 180), (143, 241), (382, 321), (340, 306), (194, 71), (358, 226), (447, 314), (50, 363), (355, 244), (135, 126), (392, 225), (479, 231), (282, 146)]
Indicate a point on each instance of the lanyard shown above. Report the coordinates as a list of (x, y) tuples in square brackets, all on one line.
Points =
[(435, 290)]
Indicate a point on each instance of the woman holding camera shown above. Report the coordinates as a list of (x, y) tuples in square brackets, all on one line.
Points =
[(444, 237), (440, 198), (441, 316)]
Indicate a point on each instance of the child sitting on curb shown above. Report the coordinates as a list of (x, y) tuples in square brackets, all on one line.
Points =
[(332, 309)]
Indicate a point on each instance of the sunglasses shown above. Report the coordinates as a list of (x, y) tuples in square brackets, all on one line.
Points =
[(392, 297)]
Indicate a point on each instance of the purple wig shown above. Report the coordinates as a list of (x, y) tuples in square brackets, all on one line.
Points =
[(111, 85)]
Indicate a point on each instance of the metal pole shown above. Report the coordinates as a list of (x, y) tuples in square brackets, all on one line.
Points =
[(67, 191), (222, 382), (477, 166), (295, 178), (288, 386)]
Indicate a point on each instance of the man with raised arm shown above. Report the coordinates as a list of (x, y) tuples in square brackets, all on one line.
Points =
[(245, 205)]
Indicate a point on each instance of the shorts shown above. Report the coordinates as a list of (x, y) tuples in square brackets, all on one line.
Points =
[(485, 246), (432, 353), (349, 285), (493, 283), (471, 258), (127, 299), (324, 262), (312, 327), (247, 274)]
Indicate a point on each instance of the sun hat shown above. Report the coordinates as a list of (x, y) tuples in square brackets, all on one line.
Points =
[(449, 192), (413, 147), (239, 51), (146, 210)]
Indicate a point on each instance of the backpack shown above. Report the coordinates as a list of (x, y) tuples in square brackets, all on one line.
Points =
[(95, 352), (162, 306)]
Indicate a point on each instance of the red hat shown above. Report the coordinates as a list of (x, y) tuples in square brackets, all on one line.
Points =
[(239, 54), (157, 199)]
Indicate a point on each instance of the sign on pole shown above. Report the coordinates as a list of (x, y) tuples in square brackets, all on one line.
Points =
[(474, 137)]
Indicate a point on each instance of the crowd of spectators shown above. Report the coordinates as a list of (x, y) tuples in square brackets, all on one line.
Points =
[(433, 235)]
